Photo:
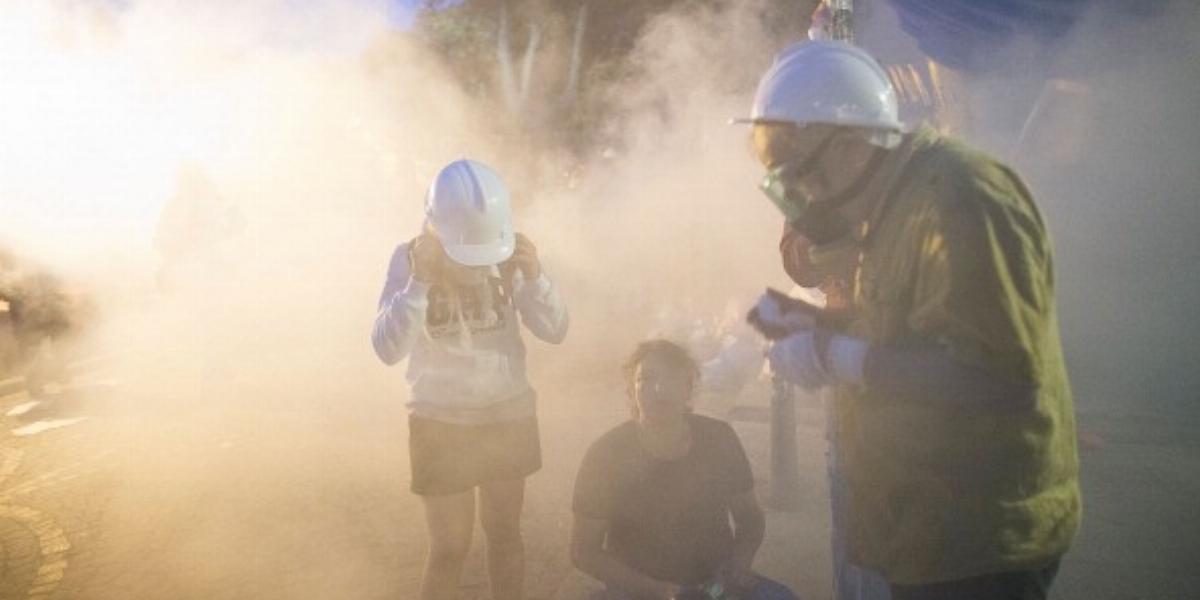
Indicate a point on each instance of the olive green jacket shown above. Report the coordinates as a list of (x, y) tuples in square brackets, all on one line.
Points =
[(957, 255)]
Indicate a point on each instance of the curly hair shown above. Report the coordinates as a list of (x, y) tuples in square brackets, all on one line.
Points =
[(673, 353)]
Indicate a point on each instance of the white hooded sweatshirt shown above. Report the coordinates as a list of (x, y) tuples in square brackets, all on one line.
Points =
[(466, 357)]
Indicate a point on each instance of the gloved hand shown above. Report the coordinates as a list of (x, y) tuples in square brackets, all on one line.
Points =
[(815, 358), (776, 315), (795, 359), (525, 258), (426, 256)]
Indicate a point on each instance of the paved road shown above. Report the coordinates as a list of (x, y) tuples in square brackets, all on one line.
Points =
[(105, 493), (108, 492)]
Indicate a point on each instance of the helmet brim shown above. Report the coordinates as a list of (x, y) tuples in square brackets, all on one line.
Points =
[(482, 255), (761, 121)]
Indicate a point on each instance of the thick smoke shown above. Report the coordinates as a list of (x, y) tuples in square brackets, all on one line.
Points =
[(670, 226), (319, 131), (245, 387), (1128, 218), (316, 131), (322, 129)]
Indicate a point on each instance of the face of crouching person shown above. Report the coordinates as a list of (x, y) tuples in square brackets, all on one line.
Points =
[(661, 379)]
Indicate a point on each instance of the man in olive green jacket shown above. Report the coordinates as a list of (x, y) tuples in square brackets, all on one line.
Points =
[(954, 416)]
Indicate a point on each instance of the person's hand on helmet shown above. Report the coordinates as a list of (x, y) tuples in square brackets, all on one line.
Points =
[(525, 258), (426, 256)]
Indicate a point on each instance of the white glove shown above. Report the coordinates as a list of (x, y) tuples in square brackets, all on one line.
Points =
[(794, 358), (776, 315), (797, 359)]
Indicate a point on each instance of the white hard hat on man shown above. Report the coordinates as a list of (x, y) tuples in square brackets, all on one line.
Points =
[(828, 82)]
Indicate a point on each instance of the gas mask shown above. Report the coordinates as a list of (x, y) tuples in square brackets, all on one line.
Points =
[(834, 250), (819, 221)]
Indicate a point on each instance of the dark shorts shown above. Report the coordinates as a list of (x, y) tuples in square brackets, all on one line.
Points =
[(448, 458)]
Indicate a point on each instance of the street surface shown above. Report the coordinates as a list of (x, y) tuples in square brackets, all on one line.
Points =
[(106, 493)]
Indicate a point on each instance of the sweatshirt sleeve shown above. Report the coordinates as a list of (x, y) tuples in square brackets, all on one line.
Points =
[(401, 316), (541, 308)]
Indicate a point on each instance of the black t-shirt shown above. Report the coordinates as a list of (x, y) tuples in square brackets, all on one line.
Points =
[(667, 519)]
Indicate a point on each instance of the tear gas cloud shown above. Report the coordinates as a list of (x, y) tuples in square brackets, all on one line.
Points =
[(323, 129), (250, 385)]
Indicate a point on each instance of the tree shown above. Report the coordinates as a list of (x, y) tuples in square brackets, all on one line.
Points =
[(547, 63)]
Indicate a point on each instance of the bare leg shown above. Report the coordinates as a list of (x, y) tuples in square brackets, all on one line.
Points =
[(500, 514), (450, 520)]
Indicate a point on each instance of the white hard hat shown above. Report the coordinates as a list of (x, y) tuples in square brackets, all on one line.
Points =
[(468, 207), (828, 82)]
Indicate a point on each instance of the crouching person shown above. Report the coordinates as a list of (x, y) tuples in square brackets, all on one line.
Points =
[(654, 496)]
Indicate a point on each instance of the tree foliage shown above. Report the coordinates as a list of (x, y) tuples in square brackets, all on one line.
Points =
[(547, 63)]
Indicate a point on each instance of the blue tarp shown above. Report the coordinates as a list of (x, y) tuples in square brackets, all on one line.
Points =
[(967, 34)]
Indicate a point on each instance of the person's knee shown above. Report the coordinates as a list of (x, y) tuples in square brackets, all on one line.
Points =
[(503, 533)]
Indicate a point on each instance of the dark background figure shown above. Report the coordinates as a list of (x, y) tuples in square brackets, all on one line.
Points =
[(44, 317)]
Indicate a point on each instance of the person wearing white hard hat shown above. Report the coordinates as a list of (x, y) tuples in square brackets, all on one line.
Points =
[(453, 303), (953, 411)]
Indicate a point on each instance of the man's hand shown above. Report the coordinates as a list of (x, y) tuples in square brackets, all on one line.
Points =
[(777, 315), (796, 359), (525, 258), (817, 357), (426, 256)]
